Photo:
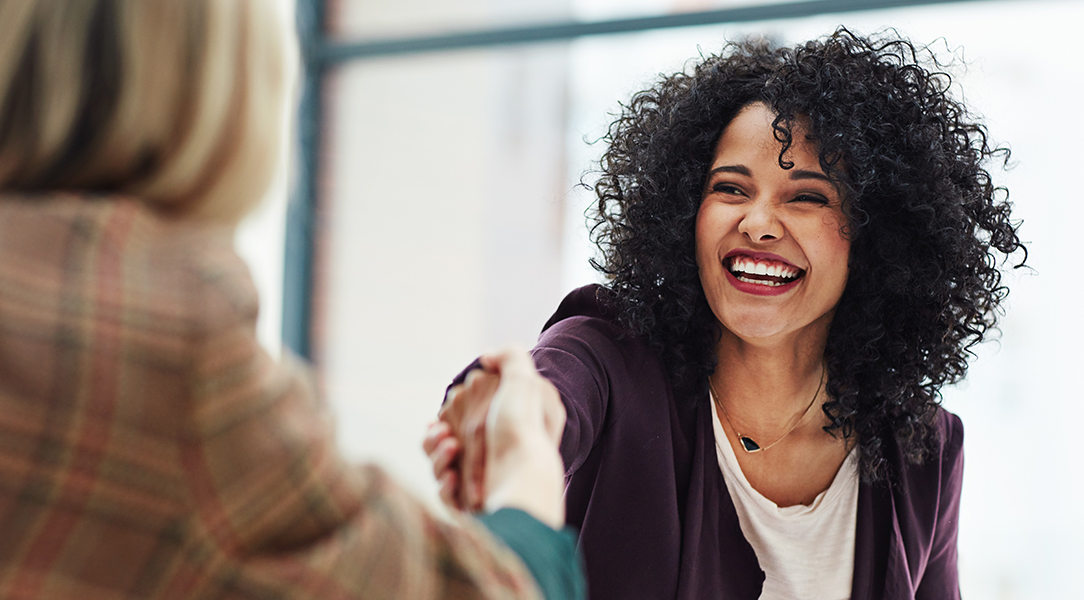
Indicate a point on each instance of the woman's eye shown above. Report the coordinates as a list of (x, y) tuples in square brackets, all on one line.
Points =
[(726, 188), (811, 198)]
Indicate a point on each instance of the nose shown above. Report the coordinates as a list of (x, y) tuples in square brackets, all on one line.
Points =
[(760, 223)]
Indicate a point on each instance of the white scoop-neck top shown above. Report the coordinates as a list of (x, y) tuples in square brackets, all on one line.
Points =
[(806, 552)]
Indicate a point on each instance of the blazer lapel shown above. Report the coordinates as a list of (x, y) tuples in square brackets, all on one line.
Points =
[(712, 530), (880, 563)]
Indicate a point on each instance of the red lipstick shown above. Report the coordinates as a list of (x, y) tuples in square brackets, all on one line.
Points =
[(774, 282)]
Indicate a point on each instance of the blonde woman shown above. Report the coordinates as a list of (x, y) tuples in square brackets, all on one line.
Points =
[(148, 447)]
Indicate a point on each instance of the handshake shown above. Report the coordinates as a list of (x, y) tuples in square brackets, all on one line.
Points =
[(495, 444)]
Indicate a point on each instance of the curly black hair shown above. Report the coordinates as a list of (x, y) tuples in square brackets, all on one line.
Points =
[(924, 217)]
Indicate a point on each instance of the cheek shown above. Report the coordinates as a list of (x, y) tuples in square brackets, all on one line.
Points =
[(713, 223), (837, 257), (837, 249), (829, 243)]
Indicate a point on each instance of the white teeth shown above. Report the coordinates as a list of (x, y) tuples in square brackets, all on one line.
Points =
[(751, 267)]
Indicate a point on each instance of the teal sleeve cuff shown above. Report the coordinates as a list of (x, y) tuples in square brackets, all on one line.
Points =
[(549, 554)]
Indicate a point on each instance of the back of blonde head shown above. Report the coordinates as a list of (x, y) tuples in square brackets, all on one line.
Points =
[(176, 102)]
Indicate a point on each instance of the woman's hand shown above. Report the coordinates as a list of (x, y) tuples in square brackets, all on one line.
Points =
[(523, 429), (443, 449), (456, 444), (496, 443)]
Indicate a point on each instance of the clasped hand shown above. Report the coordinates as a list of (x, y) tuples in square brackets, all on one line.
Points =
[(495, 443)]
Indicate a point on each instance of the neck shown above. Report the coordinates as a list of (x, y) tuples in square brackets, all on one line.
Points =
[(764, 387)]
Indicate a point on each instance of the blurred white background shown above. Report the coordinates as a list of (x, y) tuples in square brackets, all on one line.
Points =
[(451, 224)]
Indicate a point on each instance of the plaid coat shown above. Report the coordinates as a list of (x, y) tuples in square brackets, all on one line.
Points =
[(150, 449)]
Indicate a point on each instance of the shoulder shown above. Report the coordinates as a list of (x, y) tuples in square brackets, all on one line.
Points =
[(942, 470), (584, 330), (584, 301), (583, 343), (196, 262), (950, 434), (114, 252), (582, 323), (946, 443), (187, 269)]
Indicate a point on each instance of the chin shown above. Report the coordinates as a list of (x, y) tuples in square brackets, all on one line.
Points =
[(754, 329)]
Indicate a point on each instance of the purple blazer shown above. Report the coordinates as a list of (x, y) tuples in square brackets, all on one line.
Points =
[(646, 492)]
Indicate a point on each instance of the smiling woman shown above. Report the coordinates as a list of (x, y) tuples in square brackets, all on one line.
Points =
[(763, 230), (801, 244)]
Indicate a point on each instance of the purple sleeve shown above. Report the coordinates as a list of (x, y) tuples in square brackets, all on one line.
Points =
[(573, 355), (940, 580)]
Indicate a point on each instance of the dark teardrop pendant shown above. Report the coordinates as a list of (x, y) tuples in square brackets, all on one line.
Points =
[(748, 444)]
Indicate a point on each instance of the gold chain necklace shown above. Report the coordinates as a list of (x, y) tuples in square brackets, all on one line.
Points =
[(747, 442)]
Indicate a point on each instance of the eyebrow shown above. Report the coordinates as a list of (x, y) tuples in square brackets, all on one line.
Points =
[(795, 174), (739, 169)]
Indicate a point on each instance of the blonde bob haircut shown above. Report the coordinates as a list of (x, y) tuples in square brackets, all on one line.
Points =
[(176, 102)]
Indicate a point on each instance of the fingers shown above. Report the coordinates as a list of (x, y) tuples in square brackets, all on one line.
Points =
[(473, 465), (436, 432), (443, 450), (463, 418), (441, 447), (449, 489), (479, 387), (444, 456)]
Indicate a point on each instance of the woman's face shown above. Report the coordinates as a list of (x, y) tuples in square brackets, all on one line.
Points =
[(769, 241)]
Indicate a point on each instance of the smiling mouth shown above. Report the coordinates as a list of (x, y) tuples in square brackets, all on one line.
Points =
[(762, 272)]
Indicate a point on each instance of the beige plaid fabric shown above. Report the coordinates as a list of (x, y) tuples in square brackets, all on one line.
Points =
[(150, 449)]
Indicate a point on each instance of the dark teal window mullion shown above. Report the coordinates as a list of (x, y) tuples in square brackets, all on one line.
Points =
[(301, 208)]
